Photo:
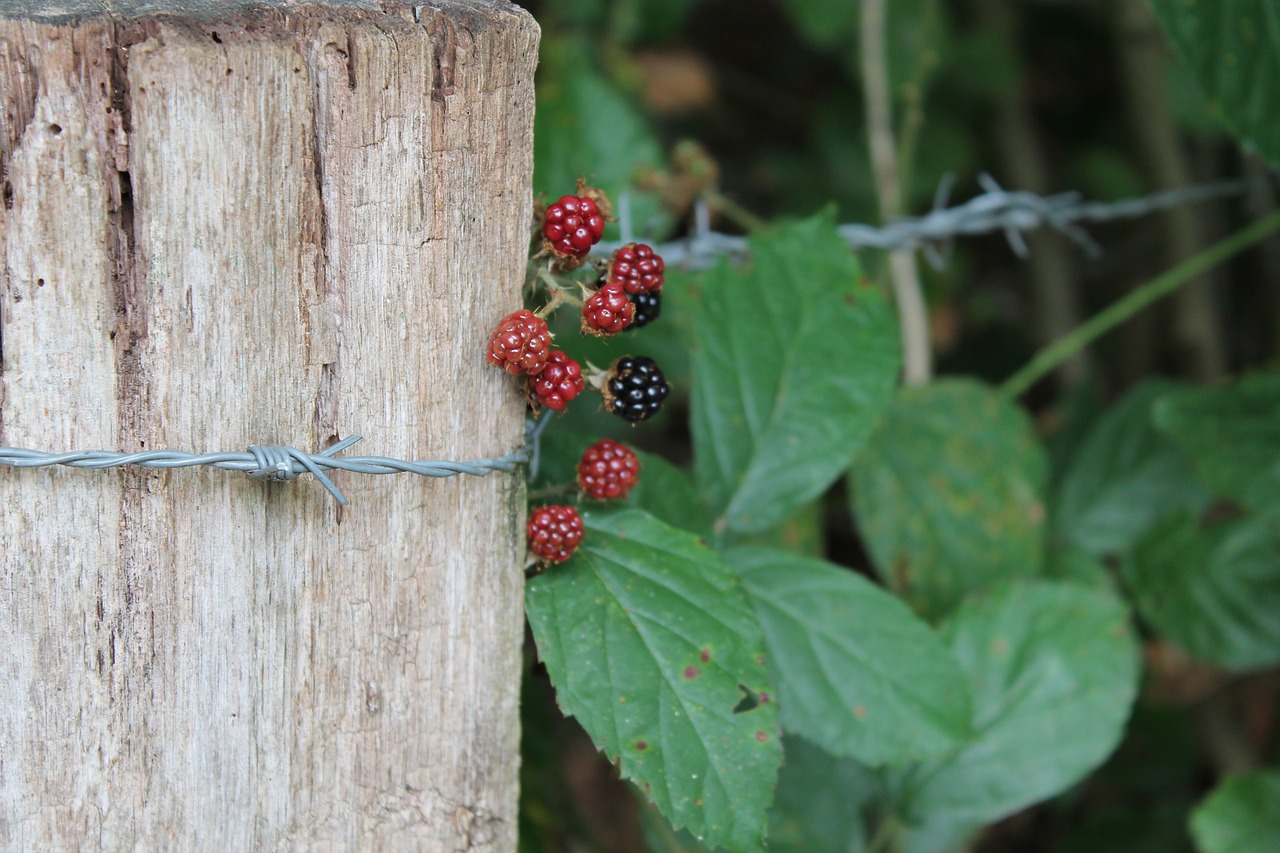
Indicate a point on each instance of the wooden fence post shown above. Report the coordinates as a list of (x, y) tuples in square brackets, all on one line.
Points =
[(251, 225)]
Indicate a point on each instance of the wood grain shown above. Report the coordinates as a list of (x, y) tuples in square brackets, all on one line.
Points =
[(274, 227)]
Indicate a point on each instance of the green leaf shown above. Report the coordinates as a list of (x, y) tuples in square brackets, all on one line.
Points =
[(1124, 476), (652, 646), (586, 126), (820, 802), (660, 836), (1071, 565), (949, 493), (667, 493), (1242, 815), (795, 362), (802, 532), (1233, 436), (1232, 45), (1053, 669), (856, 670), (1216, 592), (1072, 418)]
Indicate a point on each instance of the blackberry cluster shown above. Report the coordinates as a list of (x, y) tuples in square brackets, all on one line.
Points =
[(648, 307), (635, 388)]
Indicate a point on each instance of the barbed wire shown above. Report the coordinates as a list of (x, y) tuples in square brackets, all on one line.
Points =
[(996, 210), (282, 462)]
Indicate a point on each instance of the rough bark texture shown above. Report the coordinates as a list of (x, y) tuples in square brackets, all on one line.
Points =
[(261, 227)]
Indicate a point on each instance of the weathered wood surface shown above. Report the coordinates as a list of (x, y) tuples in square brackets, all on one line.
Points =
[(281, 226)]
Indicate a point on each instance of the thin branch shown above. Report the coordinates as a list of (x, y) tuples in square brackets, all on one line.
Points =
[(1045, 361), (917, 358)]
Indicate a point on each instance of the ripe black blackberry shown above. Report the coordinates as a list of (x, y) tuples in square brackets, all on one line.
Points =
[(635, 388), (648, 307)]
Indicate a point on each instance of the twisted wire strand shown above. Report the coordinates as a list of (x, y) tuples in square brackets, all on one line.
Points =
[(283, 462), (996, 210)]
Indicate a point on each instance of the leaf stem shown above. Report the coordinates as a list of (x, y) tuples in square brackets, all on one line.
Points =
[(1045, 361)]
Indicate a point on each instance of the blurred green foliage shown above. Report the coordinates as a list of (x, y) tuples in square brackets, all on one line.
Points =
[(1038, 546)]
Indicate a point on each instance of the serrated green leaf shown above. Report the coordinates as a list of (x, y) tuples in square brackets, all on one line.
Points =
[(1233, 436), (856, 670), (1123, 477), (795, 361), (667, 493), (1242, 815), (1216, 592), (1233, 48), (651, 645), (949, 493), (661, 837), (820, 802), (586, 126), (1053, 670)]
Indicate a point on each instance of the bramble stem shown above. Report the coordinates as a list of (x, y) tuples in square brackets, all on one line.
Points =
[(912, 313), (557, 299), (1044, 362), (559, 295)]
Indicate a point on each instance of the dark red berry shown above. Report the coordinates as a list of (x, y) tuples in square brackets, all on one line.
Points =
[(648, 307), (607, 312), (637, 268), (520, 344), (635, 388), (608, 470), (572, 226), (558, 383), (554, 532)]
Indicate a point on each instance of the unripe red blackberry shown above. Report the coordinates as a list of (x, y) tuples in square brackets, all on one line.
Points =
[(608, 470), (648, 307), (554, 532), (637, 268), (558, 383), (635, 388), (520, 343), (572, 226), (607, 312)]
